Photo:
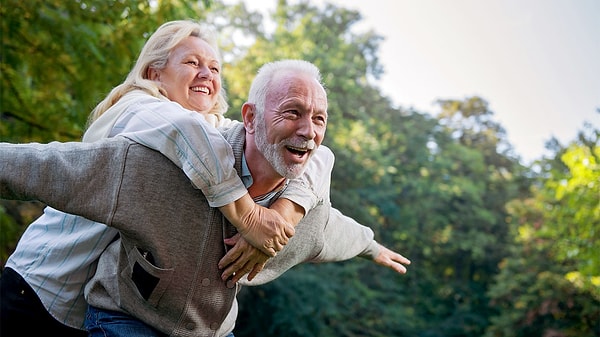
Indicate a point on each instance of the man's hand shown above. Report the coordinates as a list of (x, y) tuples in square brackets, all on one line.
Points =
[(391, 259), (241, 259), (263, 228)]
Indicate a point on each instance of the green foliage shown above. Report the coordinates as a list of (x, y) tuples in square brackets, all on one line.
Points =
[(314, 300), (13, 214), (9, 233), (59, 58), (551, 280), (576, 212)]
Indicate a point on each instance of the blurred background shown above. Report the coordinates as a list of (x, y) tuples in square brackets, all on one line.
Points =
[(466, 135)]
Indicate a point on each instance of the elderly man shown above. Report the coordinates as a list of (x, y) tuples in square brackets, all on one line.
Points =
[(163, 276)]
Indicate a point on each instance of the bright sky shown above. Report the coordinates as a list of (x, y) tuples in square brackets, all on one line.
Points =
[(536, 62)]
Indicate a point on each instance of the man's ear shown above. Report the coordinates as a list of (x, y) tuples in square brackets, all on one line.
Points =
[(248, 116), (153, 74)]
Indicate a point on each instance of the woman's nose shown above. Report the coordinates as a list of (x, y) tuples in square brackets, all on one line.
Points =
[(204, 72)]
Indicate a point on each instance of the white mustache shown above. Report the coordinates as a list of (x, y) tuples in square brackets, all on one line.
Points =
[(308, 144)]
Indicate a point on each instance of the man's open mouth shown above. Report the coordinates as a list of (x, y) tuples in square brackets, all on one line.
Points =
[(297, 150)]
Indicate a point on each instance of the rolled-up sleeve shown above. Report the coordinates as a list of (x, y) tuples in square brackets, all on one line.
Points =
[(190, 142)]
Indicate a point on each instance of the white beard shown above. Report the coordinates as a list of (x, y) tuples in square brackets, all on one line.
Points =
[(273, 153)]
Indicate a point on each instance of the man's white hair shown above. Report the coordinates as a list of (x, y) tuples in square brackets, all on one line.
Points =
[(266, 73)]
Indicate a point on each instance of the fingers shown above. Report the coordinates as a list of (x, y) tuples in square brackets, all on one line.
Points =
[(289, 232), (284, 237), (401, 259), (232, 240), (234, 269), (257, 269), (398, 267), (241, 259), (393, 260), (252, 268), (397, 258), (241, 272), (232, 255), (395, 265), (249, 269), (270, 251), (278, 245)]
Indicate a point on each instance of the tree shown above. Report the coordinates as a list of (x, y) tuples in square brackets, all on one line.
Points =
[(455, 198), (551, 280)]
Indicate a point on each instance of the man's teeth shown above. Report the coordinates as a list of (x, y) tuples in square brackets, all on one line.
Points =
[(297, 149)]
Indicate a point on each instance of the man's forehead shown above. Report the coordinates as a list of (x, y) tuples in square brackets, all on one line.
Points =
[(291, 84)]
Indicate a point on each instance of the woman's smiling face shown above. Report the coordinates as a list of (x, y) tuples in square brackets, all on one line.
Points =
[(192, 76)]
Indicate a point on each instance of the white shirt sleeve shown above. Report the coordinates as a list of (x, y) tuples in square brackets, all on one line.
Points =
[(190, 142)]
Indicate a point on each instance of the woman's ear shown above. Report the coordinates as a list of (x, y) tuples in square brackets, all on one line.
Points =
[(153, 74), (248, 116)]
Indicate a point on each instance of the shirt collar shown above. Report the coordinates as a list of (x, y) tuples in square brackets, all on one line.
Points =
[(265, 199)]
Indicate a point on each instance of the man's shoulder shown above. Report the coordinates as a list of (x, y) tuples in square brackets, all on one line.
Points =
[(325, 153), (233, 133), (322, 161)]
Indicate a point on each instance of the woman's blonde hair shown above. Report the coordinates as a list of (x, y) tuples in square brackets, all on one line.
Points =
[(155, 54)]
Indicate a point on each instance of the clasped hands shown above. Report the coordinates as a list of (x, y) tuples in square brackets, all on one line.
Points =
[(265, 232), (241, 259)]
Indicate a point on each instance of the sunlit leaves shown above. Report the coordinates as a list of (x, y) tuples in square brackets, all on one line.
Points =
[(556, 253), (574, 218)]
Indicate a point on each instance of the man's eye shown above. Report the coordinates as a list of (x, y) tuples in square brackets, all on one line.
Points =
[(291, 113), (320, 120), (194, 63)]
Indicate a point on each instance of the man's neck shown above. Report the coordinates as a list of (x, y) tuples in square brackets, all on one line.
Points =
[(264, 178), (263, 183)]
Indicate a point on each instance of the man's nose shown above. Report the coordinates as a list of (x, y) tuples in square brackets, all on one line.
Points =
[(306, 128)]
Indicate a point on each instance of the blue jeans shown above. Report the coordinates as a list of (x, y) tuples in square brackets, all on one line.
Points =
[(103, 323)]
